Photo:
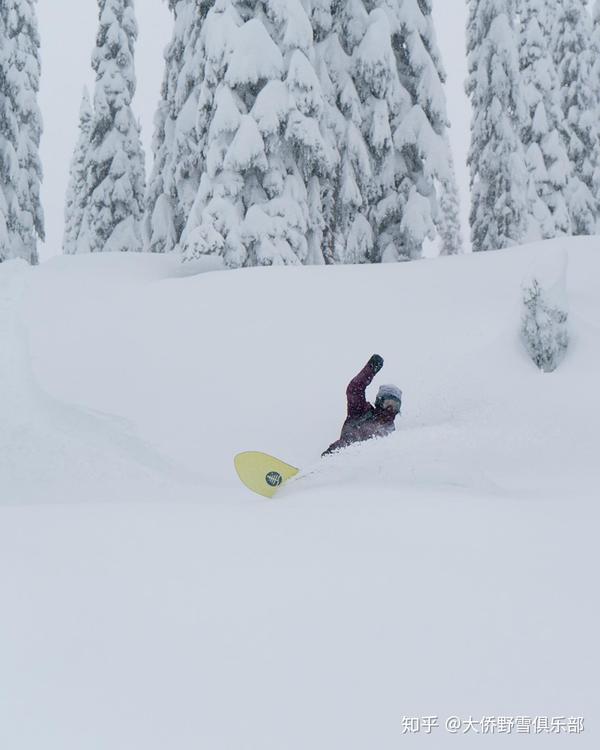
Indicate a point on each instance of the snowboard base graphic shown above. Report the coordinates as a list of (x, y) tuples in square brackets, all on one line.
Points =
[(262, 473)]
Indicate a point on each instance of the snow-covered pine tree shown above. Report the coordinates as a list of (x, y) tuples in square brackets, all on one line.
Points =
[(398, 68), (348, 235), (76, 190), (9, 170), (21, 216), (423, 137), (596, 42), (114, 164), (595, 47), (175, 173), (260, 116), (573, 57), (159, 224), (390, 122), (451, 240), (543, 135), (499, 178)]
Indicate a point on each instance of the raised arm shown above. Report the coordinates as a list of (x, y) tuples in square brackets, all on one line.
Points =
[(355, 392)]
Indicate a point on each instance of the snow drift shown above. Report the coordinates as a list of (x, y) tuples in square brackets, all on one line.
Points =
[(150, 601)]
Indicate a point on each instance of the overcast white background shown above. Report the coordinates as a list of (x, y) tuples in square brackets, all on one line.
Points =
[(68, 28)]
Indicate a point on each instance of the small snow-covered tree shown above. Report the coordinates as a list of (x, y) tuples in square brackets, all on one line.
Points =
[(499, 179), (260, 115), (573, 57), (76, 190), (449, 221), (21, 216), (543, 135), (175, 175), (543, 326), (114, 163)]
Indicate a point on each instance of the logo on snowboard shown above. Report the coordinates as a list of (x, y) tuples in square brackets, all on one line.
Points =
[(274, 479)]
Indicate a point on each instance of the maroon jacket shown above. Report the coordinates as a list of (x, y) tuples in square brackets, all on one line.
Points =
[(364, 421)]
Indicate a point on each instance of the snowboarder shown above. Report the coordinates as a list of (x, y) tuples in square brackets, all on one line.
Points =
[(365, 421)]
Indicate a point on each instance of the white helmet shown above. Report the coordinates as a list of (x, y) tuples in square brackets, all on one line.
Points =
[(389, 393)]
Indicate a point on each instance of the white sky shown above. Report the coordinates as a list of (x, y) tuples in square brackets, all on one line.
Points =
[(68, 28)]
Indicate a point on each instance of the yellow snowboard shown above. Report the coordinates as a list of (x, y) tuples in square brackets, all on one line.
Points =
[(262, 473)]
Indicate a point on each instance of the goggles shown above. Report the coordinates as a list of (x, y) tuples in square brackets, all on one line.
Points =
[(390, 403)]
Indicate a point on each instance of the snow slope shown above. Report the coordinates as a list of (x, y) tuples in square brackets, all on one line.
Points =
[(149, 601)]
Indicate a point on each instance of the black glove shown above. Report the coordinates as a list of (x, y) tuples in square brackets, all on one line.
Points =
[(376, 363)]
